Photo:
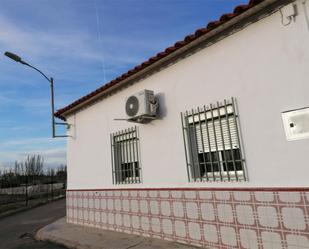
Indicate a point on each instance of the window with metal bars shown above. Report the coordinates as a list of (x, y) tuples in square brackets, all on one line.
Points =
[(125, 156), (212, 143)]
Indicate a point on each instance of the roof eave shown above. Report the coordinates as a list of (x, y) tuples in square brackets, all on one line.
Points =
[(171, 57)]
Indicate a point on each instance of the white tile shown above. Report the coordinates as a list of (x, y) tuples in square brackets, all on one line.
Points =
[(271, 240), (110, 218), (178, 209), (75, 213), (69, 213), (103, 217), (85, 203), (165, 208), (103, 204), (118, 219), (264, 196), (206, 195), (176, 194), (144, 206), (207, 211), (293, 218), (135, 221), (117, 193), (133, 193), (145, 223), (118, 205), (153, 193), (228, 236), (190, 194), (91, 216), (164, 194), (225, 212), (143, 193), (167, 226), (97, 217), (86, 215), (110, 204), (297, 241), (268, 216), (125, 205), (126, 220), (125, 193), (154, 207), (242, 196), (192, 211), (245, 214), (134, 206), (210, 233), (91, 203), (194, 231), (75, 202), (248, 239), (180, 228), (97, 203), (289, 197), (222, 195), (155, 225)]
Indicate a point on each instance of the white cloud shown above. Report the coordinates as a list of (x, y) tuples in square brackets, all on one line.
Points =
[(52, 150), (36, 44), (52, 157), (72, 44)]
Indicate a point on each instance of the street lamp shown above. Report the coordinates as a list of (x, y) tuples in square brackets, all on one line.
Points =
[(51, 81)]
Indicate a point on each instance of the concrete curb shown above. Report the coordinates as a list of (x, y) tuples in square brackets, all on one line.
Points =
[(81, 237)]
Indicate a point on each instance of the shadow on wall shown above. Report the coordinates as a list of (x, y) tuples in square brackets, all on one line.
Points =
[(162, 111)]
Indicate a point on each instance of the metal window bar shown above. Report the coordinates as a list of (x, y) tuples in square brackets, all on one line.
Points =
[(112, 149), (192, 164), (209, 146), (197, 173), (223, 142), (215, 142), (230, 138), (238, 139), (125, 160), (203, 147), (184, 131), (139, 168), (215, 137)]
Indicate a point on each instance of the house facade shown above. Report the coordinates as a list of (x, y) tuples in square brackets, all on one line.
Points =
[(225, 162)]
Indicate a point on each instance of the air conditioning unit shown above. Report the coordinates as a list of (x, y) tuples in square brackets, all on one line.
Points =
[(141, 107)]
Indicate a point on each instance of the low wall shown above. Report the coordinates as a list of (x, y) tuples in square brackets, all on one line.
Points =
[(31, 189), (212, 218)]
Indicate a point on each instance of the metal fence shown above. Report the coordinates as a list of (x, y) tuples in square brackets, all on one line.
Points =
[(17, 191)]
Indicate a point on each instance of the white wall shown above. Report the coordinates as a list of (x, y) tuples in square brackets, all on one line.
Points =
[(265, 66)]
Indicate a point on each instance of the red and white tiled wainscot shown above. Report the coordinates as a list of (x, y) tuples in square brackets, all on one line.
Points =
[(212, 218)]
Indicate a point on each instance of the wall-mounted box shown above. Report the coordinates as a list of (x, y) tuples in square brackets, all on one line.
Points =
[(296, 124)]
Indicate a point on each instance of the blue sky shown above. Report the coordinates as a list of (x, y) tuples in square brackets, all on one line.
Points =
[(82, 44)]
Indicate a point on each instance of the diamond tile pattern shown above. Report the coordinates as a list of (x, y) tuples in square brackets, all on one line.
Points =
[(206, 218)]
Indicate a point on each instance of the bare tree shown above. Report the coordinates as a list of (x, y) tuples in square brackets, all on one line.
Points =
[(34, 165)]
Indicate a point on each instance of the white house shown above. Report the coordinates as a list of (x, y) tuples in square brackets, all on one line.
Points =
[(224, 163)]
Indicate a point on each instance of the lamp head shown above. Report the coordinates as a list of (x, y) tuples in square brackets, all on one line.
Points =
[(13, 57)]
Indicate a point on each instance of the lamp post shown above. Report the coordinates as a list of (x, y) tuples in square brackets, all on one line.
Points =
[(51, 81)]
